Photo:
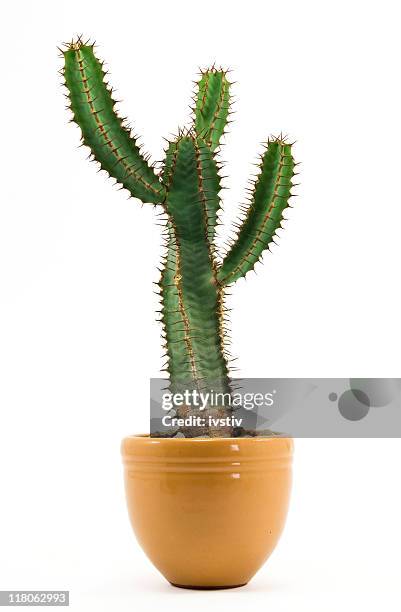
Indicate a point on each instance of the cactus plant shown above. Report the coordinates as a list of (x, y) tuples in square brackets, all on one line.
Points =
[(193, 277)]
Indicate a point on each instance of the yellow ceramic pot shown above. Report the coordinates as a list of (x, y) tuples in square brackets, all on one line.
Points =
[(208, 512)]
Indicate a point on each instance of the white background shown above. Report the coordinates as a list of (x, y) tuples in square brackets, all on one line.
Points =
[(78, 338)]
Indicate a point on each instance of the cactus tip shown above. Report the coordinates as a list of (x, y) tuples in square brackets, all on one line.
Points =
[(75, 44)]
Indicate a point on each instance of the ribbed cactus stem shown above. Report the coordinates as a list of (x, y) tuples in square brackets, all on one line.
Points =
[(193, 323)]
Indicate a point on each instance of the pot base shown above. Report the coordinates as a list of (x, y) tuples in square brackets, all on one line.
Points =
[(208, 588)]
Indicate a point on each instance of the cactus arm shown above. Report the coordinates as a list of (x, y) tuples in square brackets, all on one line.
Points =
[(265, 213), (102, 130), (212, 106), (192, 299)]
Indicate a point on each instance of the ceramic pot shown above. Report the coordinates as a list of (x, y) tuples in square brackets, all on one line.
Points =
[(208, 512)]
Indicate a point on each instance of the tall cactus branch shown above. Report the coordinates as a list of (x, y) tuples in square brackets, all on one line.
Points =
[(212, 102), (189, 281)]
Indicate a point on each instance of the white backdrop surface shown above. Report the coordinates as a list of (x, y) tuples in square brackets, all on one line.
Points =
[(78, 338)]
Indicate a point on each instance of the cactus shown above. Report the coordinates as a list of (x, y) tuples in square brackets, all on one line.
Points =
[(193, 277)]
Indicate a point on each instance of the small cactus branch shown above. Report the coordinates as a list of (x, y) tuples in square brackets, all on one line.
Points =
[(191, 296), (102, 130), (264, 215), (212, 106)]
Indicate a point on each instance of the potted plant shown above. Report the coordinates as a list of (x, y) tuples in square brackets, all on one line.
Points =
[(208, 502)]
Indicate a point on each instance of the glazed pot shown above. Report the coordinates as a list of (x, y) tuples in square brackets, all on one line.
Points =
[(208, 512)]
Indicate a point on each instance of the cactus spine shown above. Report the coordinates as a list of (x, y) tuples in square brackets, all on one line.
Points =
[(192, 280)]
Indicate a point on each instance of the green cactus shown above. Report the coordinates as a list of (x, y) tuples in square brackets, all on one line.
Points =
[(193, 278)]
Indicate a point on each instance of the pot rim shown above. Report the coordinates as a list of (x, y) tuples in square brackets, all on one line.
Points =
[(142, 447)]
